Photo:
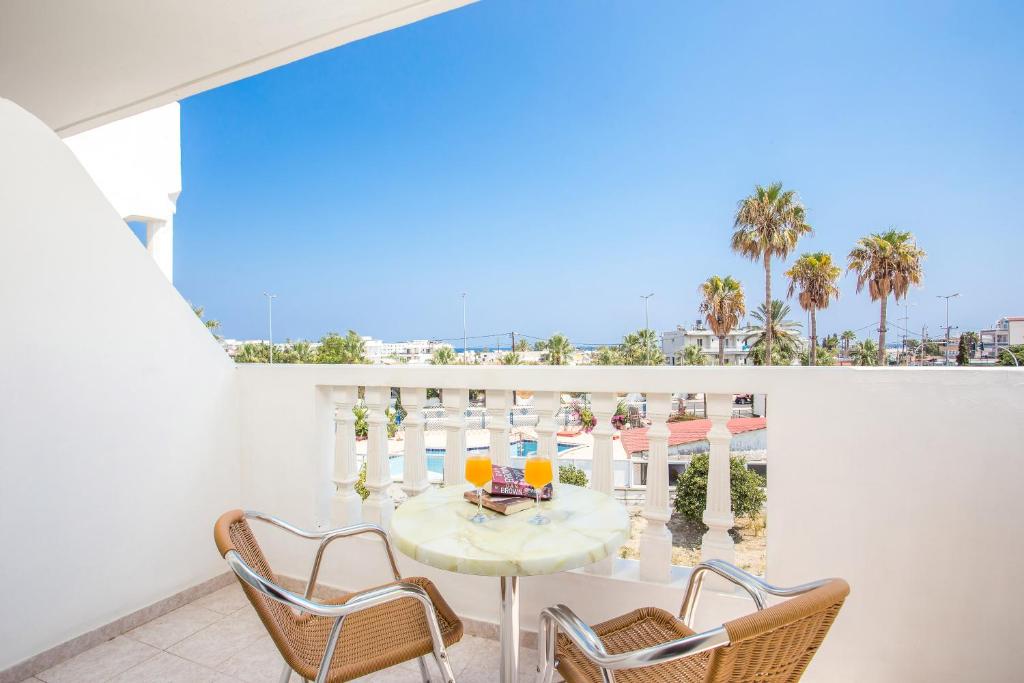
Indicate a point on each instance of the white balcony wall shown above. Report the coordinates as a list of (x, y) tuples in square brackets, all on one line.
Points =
[(119, 438), (897, 480)]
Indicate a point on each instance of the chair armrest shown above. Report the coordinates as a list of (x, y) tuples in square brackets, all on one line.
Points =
[(562, 618), (326, 538), (755, 586)]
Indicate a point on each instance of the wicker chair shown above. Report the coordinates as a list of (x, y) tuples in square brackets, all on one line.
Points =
[(342, 639), (772, 645)]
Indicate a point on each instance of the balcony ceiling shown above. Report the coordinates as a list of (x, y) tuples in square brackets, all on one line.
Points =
[(78, 65)]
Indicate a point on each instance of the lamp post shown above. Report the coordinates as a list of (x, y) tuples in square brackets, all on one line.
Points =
[(647, 322), (945, 350), (270, 322), (464, 337)]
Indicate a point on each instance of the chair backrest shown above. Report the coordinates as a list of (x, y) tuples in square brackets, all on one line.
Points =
[(776, 644), (299, 638)]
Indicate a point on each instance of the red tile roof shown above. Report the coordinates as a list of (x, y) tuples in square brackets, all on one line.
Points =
[(635, 440)]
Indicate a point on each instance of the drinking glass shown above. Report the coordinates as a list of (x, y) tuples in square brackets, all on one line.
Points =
[(538, 474), (478, 473)]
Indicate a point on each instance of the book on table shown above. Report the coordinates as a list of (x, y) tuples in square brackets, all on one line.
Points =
[(511, 481), (505, 505)]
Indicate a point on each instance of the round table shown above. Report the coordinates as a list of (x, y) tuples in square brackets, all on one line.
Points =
[(434, 528)]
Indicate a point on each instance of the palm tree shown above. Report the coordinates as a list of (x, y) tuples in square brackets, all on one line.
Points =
[(691, 355), (814, 275), (558, 349), (510, 358), (443, 355), (864, 353), (723, 306), (888, 263), (848, 336), (641, 348), (606, 356), (769, 223), (772, 323)]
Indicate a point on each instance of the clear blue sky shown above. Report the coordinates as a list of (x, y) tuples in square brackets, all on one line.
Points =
[(559, 159)]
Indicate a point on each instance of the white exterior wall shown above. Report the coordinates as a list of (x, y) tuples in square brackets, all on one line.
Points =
[(118, 431)]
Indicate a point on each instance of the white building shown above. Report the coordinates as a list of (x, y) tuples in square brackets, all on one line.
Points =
[(674, 341), (1008, 331), (415, 352)]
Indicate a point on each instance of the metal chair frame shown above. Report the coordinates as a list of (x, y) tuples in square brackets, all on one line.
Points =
[(561, 618), (357, 602)]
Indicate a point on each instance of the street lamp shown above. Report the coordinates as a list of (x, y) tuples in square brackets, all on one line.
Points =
[(464, 337), (945, 350), (270, 322), (647, 321)]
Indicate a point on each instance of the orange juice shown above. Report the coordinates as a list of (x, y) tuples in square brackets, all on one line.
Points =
[(478, 470), (538, 472)]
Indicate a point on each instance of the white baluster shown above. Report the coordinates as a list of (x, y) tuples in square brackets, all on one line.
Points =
[(497, 424), (602, 473), (717, 544), (415, 479), (455, 402), (546, 404), (378, 506), (656, 541), (346, 507)]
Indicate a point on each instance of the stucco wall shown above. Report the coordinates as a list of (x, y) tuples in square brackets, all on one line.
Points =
[(118, 431)]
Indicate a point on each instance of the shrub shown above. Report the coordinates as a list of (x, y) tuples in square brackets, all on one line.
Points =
[(362, 427), (361, 483), (570, 474), (747, 486)]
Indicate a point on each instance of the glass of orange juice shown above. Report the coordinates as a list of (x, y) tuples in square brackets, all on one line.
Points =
[(478, 473), (538, 474)]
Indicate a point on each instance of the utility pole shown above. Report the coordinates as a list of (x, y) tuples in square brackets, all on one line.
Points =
[(270, 322), (945, 349), (464, 337), (513, 342), (647, 322)]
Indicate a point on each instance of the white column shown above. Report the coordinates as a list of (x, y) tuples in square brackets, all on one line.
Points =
[(414, 475), (602, 472), (160, 245), (498, 425), (656, 541), (378, 507), (347, 505), (546, 403), (717, 544), (455, 402)]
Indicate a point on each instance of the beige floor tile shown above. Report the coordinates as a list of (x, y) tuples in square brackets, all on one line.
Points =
[(227, 600), (174, 626), (259, 662), (101, 663), (473, 655), (166, 668), (222, 639)]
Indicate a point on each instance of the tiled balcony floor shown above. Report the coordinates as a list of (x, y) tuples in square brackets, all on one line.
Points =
[(219, 639)]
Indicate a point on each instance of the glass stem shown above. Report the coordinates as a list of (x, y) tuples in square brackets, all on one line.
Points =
[(536, 508), (480, 501)]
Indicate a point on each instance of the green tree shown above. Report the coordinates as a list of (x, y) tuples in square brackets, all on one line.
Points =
[(886, 263), (559, 350), (511, 358), (570, 474), (522, 345), (747, 488), (825, 357), (349, 349), (362, 425), (540, 345), (443, 355), (723, 305), (773, 324), (830, 342), (253, 352), (641, 348), (211, 325), (813, 278), (848, 337), (1012, 356), (605, 355), (691, 355), (768, 224), (965, 350), (864, 353)]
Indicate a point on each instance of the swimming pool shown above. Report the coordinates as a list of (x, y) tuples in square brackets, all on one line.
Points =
[(435, 456)]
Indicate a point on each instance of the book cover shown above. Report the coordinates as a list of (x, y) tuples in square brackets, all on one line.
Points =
[(510, 481), (505, 505)]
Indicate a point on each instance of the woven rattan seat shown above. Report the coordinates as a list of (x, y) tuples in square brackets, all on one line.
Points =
[(372, 639), (773, 645)]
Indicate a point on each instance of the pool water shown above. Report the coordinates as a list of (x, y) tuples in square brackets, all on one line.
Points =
[(435, 456)]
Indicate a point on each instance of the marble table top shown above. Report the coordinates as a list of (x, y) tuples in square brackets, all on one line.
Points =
[(434, 528)]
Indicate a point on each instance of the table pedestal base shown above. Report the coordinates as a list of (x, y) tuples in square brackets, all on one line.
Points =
[(508, 628)]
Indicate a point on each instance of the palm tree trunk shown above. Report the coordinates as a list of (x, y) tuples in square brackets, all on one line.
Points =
[(721, 350), (814, 339), (768, 309), (881, 333)]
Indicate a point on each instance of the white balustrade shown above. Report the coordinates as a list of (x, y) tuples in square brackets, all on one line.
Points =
[(498, 403), (455, 402), (378, 506), (656, 541), (717, 544), (414, 473), (346, 507), (602, 472)]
